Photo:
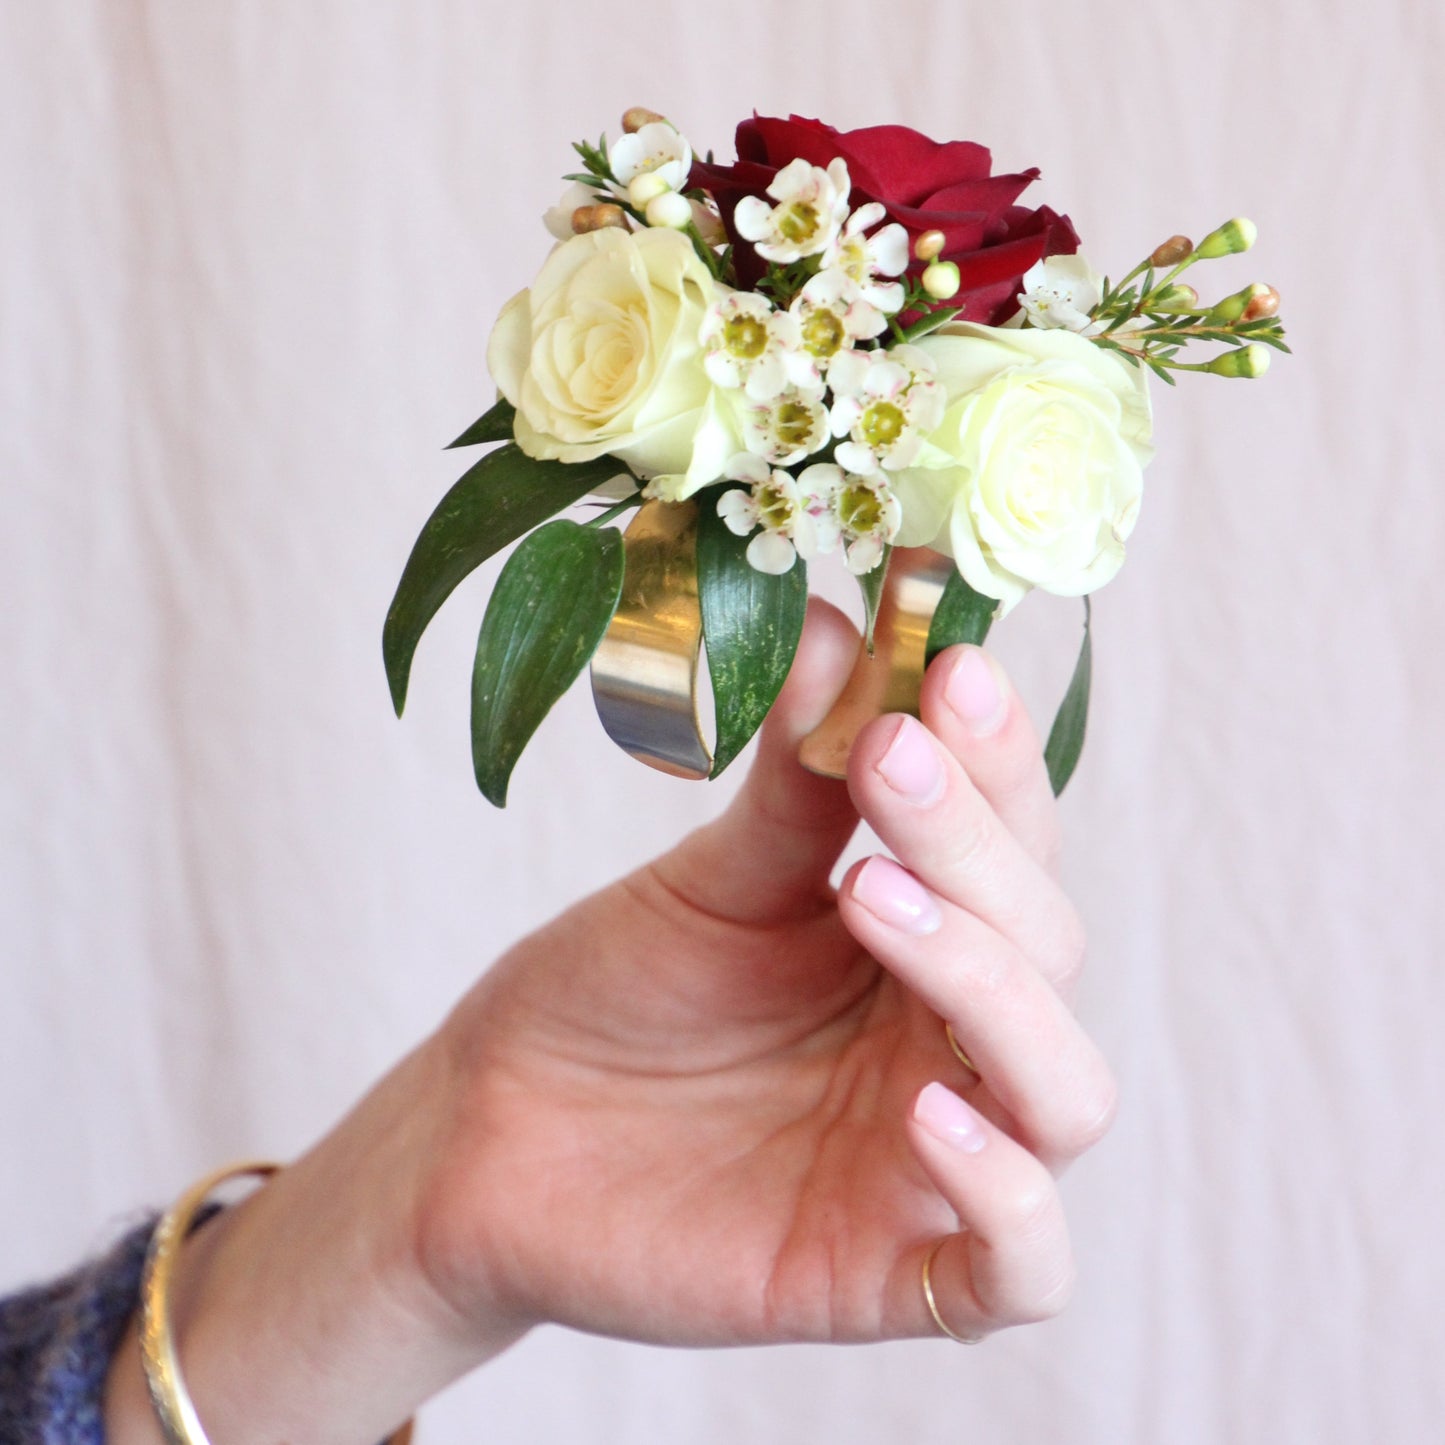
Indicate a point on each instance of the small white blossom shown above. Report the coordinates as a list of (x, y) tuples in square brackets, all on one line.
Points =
[(868, 515), (1060, 292), (658, 149), (864, 258), (791, 426), (832, 314), (885, 403), (709, 224), (812, 206), (780, 504), (747, 343)]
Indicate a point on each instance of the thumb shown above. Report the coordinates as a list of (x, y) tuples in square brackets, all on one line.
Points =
[(770, 853)]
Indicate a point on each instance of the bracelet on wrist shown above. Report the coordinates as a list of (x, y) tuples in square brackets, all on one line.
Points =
[(172, 1401)]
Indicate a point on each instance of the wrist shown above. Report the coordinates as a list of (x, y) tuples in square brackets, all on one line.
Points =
[(302, 1311)]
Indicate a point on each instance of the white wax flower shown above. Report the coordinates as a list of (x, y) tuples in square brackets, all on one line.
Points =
[(748, 343), (785, 430), (1059, 292), (1033, 476), (869, 515), (600, 356), (812, 206), (780, 504), (860, 512), (864, 258), (657, 149), (832, 314), (885, 403)]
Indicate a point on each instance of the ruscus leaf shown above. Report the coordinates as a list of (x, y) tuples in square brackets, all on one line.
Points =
[(503, 496), (751, 623), (1066, 737), (962, 615), (871, 586), (551, 605), (494, 425)]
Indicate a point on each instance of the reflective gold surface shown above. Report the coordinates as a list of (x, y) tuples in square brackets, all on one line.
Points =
[(890, 679), (644, 673)]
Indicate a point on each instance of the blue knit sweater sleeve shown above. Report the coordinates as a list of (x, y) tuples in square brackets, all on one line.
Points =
[(56, 1341)]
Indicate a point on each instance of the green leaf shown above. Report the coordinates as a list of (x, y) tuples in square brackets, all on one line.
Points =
[(504, 495), (551, 605), (871, 585), (962, 615), (751, 622), (494, 425), (1066, 737)]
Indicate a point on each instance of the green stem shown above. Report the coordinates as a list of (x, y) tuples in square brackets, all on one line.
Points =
[(625, 505)]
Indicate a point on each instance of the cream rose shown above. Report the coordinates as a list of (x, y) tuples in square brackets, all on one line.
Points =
[(601, 356), (1033, 479)]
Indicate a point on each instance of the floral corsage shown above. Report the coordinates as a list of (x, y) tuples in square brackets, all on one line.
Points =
[(856, 343)]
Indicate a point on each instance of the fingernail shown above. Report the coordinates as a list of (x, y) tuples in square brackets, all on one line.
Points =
[(949, 1119), (893, 896), (911, 766), (973, 692)]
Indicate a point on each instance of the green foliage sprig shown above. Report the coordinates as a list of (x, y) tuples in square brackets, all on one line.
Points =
[(1149, 318)]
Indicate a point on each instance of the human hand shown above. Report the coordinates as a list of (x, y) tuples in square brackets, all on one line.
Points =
[(702, 1106), (712, 1104)]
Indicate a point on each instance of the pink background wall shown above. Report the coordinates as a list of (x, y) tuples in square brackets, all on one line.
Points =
[(249, 257)]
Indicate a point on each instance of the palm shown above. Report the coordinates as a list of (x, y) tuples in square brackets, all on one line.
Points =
[(742, 1144), (683, 1106)]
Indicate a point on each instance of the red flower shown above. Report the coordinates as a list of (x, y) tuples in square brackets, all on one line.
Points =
[(924, 185)]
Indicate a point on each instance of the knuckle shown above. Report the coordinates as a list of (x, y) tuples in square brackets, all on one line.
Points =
[(1030, 1214), (1092, 1115), (1075, 1123), (975, 846), (1052, 1296), (1050, 840), (1070, 951)]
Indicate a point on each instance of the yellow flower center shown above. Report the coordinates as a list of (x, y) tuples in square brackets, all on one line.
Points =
[(774, 508), (797, 221), (793, 423), (859, 509), (882, 424), (823, 333), (745, 337)]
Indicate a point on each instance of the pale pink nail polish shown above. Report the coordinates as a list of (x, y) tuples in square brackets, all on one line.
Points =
[(949, 1119), (973, 692), (911, 765), (893, 896)]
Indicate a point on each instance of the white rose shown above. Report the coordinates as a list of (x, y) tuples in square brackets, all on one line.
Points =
[(601, 357), (1034, 476)]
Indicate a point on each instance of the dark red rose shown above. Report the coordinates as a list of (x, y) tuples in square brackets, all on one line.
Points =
[(924, 185)]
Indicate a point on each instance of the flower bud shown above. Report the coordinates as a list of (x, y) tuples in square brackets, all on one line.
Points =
[(1247, 361), (638, 116), (1232, 237), (1232, 308), (1265, 303), (709, 225), (669, 209), (1177, 297), (1172, 251), (644, 187), (597, 218), (929, 245), (941, 280)]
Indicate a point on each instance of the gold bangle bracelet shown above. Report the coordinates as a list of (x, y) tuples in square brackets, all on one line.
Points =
[(173, 1405)]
